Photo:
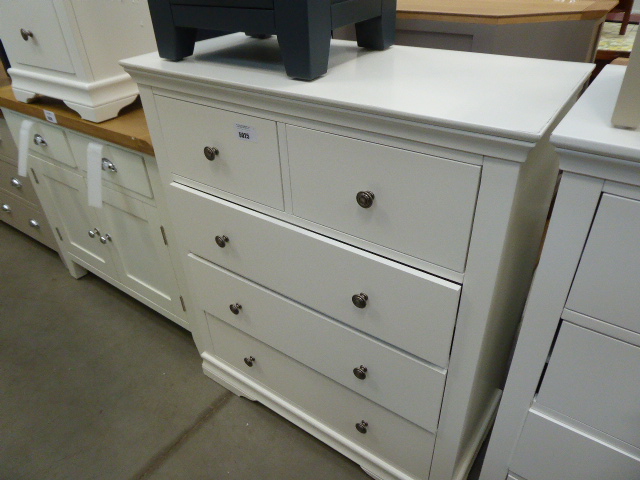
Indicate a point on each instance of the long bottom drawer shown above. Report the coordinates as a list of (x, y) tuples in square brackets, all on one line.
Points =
[(18, 214), (388, 436)]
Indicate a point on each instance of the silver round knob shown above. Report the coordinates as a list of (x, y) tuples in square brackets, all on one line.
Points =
[(15, 182), (235, 308), (222, 240), (249, 361), (360, 372), (108, 165), (26, 34), (39, 140), (362, 427), (211, 153), (34, 223), (360, 300), (6, 208), (365, 199), (94, 232), (105, 238)]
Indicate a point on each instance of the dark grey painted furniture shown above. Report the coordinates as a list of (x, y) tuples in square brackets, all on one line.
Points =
[(303, 27)]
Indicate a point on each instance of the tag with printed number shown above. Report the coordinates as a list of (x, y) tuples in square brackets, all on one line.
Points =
[(50, 116), (246, 133)]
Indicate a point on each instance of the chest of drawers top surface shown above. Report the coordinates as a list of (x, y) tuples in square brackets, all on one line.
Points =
[(517, 98)]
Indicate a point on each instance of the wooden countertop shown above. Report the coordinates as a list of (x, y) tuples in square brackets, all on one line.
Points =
[(129, 129), (504, 11)]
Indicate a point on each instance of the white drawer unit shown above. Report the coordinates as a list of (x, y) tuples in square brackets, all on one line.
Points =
[(124, 239), (570, 408), (69, 49), (358, 249)]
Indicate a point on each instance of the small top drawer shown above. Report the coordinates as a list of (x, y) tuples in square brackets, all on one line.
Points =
[(413, 203), (593, 378), (128, 169), (607, 283), (44, 139), (242, 155), (19, 186), (8, 148), (33, 36)]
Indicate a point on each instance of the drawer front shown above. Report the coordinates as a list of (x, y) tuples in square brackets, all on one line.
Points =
[(606, 285), (405, 307), (548, 450), (8, 147), (130, 171), (26, 219), (594, 379), (46, 47), (45, 140), (21, 187), (422, 206), (388, 436), (247, 167), (322, 344)]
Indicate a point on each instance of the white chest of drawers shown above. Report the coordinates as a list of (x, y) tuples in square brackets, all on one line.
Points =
[(570, 408), (69, 49), (359, 247)]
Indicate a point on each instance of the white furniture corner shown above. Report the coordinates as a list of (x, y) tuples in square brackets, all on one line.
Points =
[(69, 49), (360, 247), (570, 407)]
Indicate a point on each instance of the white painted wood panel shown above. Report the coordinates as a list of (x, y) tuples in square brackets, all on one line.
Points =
[(21, 216), (594, 379), (548, 450), (393, 379), (607, 283), (248, 167), (406, 307), (423, 205), (394, 439)]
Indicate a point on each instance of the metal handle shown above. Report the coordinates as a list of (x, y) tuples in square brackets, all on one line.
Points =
[(360, 372), (235, 308), (211, 153), (362, 427), (34, 223), (15, 182), (360, 300), (249, 361), (105, 238), (26, 34), (365, 199), (222, 240), (94, 232), (39, 140), (108, 165), (6, 208)]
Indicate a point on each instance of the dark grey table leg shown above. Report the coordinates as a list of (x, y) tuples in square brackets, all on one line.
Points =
[(174, 43), (304, 35), (380, 32)]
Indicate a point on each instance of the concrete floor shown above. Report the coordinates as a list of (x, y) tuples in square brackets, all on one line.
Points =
[(94, 385)]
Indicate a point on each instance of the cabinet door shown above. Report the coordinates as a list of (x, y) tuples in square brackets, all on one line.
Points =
[(141, 256), (67, 192)]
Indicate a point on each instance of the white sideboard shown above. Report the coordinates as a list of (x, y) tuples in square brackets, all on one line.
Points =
[(570, 407), (69, 49), (360, 247)]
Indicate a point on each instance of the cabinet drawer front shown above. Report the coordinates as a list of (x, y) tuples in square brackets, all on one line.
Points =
[(607, 282), (7, 146), (548, 450), (26, 219), (389, 436), (46, 48), (405, 307), (57, 146), (322, 344), (423, 206), (249, 168), (594, 379), (21, 187), (130, 173)]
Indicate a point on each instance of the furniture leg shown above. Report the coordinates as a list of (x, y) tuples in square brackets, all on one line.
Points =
[(174, 43), (625, 21), (304, 35), (378, 33)]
